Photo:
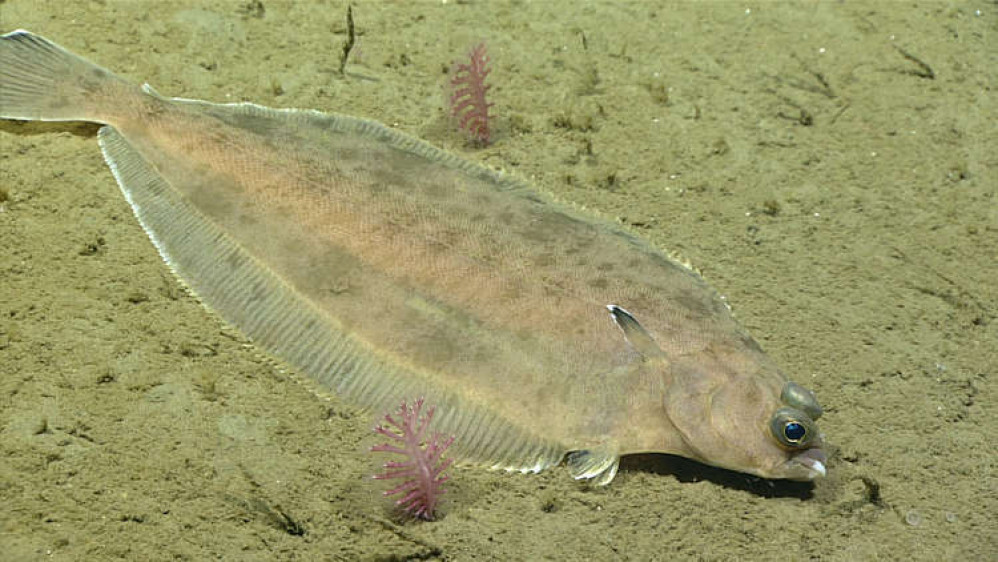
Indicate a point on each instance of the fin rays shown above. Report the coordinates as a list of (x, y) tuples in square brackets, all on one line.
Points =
[(598, 464), (253, 298)]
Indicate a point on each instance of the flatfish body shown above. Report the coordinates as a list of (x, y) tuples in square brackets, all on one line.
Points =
[(382, 269)]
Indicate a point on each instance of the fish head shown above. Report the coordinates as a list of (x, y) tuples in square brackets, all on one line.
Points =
[(734, 409)]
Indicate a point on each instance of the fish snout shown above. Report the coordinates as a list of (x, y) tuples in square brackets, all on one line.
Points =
[(807, 465)]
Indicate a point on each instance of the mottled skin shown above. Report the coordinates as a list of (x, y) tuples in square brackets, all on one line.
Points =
[(465, 281)]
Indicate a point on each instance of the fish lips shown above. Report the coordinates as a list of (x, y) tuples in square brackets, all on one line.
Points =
[(807, 465)]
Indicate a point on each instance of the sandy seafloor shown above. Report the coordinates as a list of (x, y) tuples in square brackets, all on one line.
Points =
[(840, 193)]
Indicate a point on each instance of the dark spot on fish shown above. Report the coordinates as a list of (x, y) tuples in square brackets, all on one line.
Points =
[(750, 343), (544, 260), (62, 101), (247, 220), (538, 233), (256, 122), (435, 190), (91, 85), (346, 368), (258, 292), (512, 291), (235, 260), (697, 306), (599, 283)]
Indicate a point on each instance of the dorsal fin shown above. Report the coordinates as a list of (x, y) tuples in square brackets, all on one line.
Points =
[(634, 333)]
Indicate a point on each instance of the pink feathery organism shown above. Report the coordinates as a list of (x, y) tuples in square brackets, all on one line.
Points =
[(468, 103), (421, 471)]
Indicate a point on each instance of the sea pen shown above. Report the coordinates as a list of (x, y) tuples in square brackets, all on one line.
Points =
[(422, 469), (468, 102)]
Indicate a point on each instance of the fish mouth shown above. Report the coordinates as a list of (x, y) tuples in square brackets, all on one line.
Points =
[(806, 466)]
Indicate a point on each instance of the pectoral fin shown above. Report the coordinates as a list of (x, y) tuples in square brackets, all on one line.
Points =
[(636, 335), (598, 464)]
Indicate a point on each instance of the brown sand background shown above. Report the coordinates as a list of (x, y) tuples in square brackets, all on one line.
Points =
[(800, 154)]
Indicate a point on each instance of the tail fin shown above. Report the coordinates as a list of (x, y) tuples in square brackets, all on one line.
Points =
[(41, 81)]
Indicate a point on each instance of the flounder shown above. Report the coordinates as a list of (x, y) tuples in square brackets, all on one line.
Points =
[(382, 268)]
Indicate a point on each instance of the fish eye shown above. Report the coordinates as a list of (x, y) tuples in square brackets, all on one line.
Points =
[(793, 428), (794, 431), (796, 396)]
